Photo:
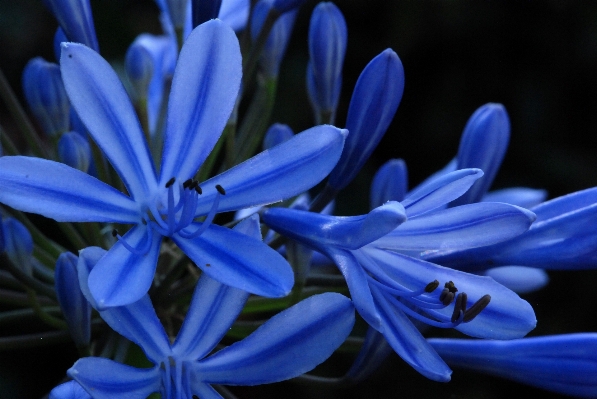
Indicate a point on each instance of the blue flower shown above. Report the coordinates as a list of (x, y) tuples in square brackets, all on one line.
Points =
[(289, 344), (387, 286), (75, 19), (204, 90), (564, 363)]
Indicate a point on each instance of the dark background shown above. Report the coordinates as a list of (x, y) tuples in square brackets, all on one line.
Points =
[(538, 58)]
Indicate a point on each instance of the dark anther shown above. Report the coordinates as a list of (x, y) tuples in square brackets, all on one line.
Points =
[(446, 297), (432, 286), (198, 190), (188, 183), (477, 308), (450, 286), (170, 182), (144, 222), (114, 233), (220, 189), (459, 306), (194, 183), (195, 397)]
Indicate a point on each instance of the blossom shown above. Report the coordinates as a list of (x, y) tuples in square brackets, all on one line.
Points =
[(204, 90), (562, 363), (386, 286), (289, 344)]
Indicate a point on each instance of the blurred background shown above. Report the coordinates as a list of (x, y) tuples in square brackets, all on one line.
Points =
[(537, 58)]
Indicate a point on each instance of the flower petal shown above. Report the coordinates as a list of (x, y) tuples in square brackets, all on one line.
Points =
[(204, 89), (289, 344), (356, 278), (96, 93), (214, 308), (122, 277), (520, 279), (506, 317), (521, 196), (562, 363), (106, 379), (239, 261), (62, 193), (349, 232), (408, 342), (560, 206), (281, 172), (462, 227), (437, 192), (69, 390)]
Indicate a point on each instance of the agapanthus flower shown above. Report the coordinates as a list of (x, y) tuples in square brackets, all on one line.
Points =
[(564, 363), (386, 286), (289, 344), (204, 90)]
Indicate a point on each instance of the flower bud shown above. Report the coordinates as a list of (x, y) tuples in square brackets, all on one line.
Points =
[(483, 145), (74, 17), (138, 65), (204, 10), (76, 309), (376, 96), (46, 96), (276, 43), (327, 48), (276, 134), (177, 9), (390, 183), (74, 151), (18, 244)]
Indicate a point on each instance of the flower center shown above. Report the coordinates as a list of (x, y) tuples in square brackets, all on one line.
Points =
[(426, 308), (177, 214)]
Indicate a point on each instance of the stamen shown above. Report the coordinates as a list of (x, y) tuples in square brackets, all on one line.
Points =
[(477, 308), (451, 287), (206, 222), (459, 307), (114, 233), (198, 189), (142, 251), (446, 297), (170, 182), (429, 288), (220, 189), (187, 183)]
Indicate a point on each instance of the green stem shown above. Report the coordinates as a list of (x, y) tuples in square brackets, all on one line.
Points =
[(8, 146), (12, 298), (24, 315), (250, 62), (43, 315), (73, 235), (23, 122), (173, 274), (26, 279)]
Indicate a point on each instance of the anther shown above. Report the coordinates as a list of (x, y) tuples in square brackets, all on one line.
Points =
[(451, 287), (220, 189), (431, 286), (188, 183), (198, 189), (459, 306), (446, 296), (144, 222), (170, 182), (194, 183), (477, 308), (114, 233)]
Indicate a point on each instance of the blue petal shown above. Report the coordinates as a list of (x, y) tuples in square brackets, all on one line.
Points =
[(204, 89), (235, 13), (506, 317), (122, 277), (519, 279), (137, 322), (356, 279), (376, 96), (559, 242), (483, 145), (69, 390), (521, 196), (214, 308), (239, 261), (350, 232), (439, 191), (288, 345), (281, 172), (75, 19), (562, 363), (62, 193), (560, 206), (408, 342), (466, 226), (390, 183), (103, 105), (107, 379)]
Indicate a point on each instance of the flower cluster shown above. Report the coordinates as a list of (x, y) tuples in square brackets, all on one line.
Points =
[(143, 178)]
